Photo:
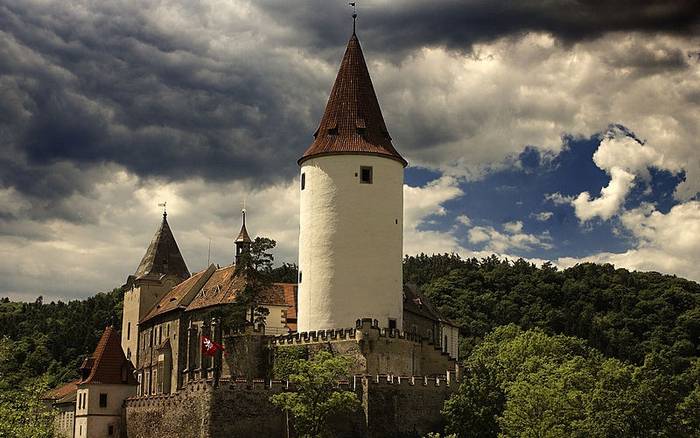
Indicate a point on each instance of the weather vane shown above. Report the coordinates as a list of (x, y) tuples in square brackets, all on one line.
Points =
[(354, 16), (163, 204)]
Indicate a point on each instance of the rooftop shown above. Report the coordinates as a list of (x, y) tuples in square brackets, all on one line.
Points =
[(352, 122)]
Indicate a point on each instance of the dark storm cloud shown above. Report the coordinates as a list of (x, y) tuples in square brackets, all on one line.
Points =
[(87, 85), (457, 24), (102, 86)]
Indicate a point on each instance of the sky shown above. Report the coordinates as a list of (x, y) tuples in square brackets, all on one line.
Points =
[(552, 130)]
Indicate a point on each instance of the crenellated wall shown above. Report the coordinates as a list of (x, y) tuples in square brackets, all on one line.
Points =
[(391, 406), (376, 350)]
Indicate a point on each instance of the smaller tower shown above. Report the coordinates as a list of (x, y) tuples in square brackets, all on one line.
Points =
[(161, 268), (243, 240)]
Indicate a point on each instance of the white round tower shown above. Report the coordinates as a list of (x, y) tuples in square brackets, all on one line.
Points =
[(351, 210)]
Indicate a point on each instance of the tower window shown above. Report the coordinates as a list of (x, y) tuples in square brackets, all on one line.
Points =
[(303, 181), (392, 324), (128, 331), (103, 400), (366, 174), (299, 276)]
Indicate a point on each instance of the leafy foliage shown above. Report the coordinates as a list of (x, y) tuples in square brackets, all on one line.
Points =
[(255, 264), (53, 338), (286, 273), (528, 383), (22, 413), (623, 314), (317, 395), (286, 359)]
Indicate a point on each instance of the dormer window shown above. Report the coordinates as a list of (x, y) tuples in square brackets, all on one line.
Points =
[(333, 131), (366, 175)]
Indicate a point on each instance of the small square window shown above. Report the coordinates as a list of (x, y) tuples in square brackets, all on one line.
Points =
[(303, 181), (103, 400), (392, 324), (366, 175)]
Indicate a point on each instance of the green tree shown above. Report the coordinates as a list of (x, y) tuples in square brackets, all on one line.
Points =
[(255, 266), (317, 395), (22, 412), (531, 384)]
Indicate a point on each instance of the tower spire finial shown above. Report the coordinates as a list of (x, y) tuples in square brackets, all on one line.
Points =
[(163, 204), (354, 15)]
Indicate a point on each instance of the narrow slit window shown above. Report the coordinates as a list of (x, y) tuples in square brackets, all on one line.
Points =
[(103, 400), (303, 181), (299, 276), (366, 175)]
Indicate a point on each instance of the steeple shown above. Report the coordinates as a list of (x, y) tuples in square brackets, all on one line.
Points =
[(163, 255), (352, 122), (243, 240)]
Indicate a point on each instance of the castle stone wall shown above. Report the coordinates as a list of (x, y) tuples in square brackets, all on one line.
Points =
[(391, 407), (401, 407)]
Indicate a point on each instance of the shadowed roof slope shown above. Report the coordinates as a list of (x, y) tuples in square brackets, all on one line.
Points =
[(61, 392), (352, 122), (181, 295), (224, 286), (163, 255), (108, 365)]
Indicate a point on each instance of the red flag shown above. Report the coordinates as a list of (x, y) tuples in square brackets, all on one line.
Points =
[(210, 347)]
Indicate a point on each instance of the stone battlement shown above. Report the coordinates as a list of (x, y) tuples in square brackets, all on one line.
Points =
[(204, 386), (365, 327)]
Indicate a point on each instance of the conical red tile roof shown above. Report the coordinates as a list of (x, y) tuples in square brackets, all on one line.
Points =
[(108, 365), (352, 122)]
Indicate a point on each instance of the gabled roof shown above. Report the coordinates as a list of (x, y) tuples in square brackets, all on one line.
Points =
[(163, 256), (224, 286), (181, 295), (352, 122), (107, 364)]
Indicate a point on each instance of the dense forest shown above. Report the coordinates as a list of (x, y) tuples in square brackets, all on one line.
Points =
[(639, 330)]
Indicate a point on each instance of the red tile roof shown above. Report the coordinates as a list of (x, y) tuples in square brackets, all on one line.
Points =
[(108, 365), (62, 391), (181, 295), (352, 122), (290, 297), (224, 286)]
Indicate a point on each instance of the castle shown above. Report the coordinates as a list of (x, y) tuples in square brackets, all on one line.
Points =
[(350, 299)]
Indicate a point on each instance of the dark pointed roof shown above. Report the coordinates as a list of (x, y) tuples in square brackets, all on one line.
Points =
[(108, 365), (243, 235), (353, 122), (163, 256)]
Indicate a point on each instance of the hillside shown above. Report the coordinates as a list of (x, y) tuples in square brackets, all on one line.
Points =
[(623, 314)]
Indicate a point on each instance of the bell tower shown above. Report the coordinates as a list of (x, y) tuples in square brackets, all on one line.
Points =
[(243, 241), (351, 210)]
